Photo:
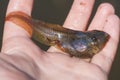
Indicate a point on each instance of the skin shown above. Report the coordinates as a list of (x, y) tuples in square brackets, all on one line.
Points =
[(21, 59), (75, 43)]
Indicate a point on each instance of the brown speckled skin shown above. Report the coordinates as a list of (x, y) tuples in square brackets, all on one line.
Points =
[(76, 43)]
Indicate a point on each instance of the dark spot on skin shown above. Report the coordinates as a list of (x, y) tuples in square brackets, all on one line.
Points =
[(82, 3), (106, 21)]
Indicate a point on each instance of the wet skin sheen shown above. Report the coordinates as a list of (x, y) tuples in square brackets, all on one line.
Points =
[(76, 43)]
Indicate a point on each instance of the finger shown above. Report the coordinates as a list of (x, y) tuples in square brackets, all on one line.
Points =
[(20, 5), (12, 32), (102, 13), (105, 58), (78, 17), (16, 5), (79, 14)]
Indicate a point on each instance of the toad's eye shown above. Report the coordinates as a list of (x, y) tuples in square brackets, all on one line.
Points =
[(94, 39)]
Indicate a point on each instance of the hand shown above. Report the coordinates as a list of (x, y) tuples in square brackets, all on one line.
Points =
[(21, 59)]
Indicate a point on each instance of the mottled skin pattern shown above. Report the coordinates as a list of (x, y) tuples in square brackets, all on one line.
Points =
[(76, 43)]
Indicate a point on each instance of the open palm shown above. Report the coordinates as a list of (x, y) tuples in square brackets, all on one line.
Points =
[(21, 59)]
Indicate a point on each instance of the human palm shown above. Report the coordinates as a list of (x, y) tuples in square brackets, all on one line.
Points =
[(21, 59)]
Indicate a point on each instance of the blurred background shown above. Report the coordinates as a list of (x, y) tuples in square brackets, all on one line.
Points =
[(55, 11)]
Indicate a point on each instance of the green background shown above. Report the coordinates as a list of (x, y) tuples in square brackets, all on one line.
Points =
[(55, 11)]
